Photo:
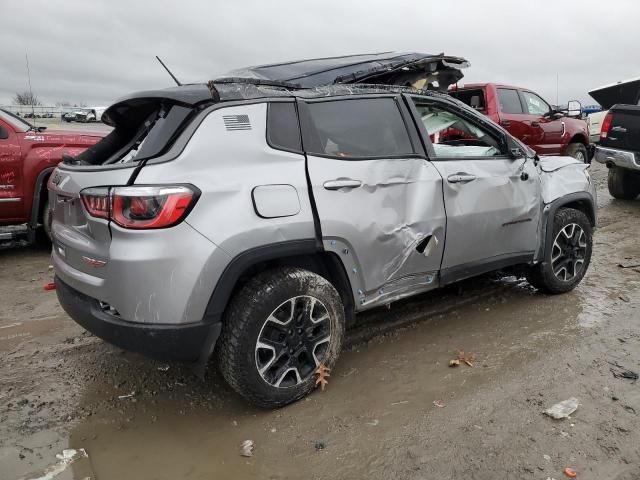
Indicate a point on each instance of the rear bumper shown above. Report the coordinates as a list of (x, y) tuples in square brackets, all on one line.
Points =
[(619, 158), (185, 342)]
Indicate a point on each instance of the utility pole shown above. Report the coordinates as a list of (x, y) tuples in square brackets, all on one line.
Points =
[(557, 83), (33, 110)]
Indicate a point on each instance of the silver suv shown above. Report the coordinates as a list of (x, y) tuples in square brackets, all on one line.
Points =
[(252, 218)]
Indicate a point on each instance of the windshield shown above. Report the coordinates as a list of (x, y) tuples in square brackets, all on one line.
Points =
[(18, 123)]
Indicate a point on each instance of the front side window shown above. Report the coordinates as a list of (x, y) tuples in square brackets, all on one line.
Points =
[(453, 136), (535, 105), (509, 101), (357, 128)]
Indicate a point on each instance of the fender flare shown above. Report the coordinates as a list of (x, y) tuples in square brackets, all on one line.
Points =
[(549, 213), (35, 204), (229, 278)]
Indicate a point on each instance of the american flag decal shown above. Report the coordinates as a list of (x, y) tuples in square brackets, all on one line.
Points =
[(236, 122)]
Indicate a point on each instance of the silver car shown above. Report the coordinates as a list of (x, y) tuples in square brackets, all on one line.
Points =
[(250, 219)]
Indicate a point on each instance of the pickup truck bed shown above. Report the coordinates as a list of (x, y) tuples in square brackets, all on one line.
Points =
[(619, 149)]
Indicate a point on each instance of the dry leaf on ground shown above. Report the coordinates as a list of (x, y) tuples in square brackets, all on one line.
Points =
[(323, 373)]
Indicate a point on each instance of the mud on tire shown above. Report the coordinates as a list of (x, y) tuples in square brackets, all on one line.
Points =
[(578, 151), (623, 184), (558, 273), (272, 307)]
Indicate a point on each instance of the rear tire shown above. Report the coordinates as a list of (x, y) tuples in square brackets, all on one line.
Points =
[(43, 233), (623, 184), (578, 151), (567, 259), (276, 330)]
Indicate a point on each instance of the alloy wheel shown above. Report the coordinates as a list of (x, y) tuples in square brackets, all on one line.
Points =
[(568, 253), (292, 341)]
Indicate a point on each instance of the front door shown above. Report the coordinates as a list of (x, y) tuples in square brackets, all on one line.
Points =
[(11, 194), (543, 127), (491, 200), (378, 199)]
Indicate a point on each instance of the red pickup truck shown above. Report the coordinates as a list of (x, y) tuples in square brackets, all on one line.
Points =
[(28, 155), (530, 118)]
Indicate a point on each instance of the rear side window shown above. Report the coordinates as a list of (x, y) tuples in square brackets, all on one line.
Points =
[(474, 98), (357, 128), (283, 130), (509, 101)]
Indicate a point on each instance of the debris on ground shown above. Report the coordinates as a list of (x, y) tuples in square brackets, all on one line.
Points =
[(563, 409), (50, 286), (630, 264), (66, 458), (323, 373), (620, 372), (163, 368), (570, 472), (246, 448), (320, 445), (624, 298), (438, 403), (467, 358), (128, 395)]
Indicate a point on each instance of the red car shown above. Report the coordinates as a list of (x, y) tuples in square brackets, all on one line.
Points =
[(528, 117), (28, 155)]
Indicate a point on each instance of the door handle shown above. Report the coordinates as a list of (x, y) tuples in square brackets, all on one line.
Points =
[(505, 123), (461, 178), (338, 184), (535, 124)]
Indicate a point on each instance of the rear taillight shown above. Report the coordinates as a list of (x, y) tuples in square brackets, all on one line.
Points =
[(606, 125), (97, 202), (140, 207)]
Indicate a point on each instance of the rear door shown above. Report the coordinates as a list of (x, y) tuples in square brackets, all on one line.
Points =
[(546, 130), (513, 118), (379, 201), (492, 208)]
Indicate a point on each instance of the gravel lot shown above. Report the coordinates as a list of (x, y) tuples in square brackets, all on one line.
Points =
[(136, 418)]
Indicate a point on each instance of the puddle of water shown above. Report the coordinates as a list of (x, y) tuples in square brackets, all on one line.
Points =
[(379, 388)]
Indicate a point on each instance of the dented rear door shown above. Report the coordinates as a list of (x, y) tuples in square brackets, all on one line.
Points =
[(379, 202)]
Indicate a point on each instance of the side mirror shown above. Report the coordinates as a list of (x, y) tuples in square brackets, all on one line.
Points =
[(4, 134), (516, 153), (574, 109)]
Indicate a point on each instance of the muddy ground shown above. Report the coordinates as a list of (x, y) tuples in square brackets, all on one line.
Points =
[(62, 387)]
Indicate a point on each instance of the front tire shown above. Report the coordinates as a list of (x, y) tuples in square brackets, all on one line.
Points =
[(276, 331), (578, 151), (623, 184), (567, 259)]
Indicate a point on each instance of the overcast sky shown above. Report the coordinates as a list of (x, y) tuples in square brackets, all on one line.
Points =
[(95, 51)]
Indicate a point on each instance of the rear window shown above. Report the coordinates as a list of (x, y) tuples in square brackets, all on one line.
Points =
[(473, 97), (357, 128), (283, 130), (509, 101), (142, 130)]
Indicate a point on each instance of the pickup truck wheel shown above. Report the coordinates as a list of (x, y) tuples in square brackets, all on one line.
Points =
[(623, 184), (277, 330), (578, 151), (567, 258)]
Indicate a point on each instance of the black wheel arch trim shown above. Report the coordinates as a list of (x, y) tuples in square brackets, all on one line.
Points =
[(549, 213), (243, 262), (35, 205)]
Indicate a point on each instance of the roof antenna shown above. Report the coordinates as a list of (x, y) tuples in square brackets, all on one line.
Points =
[(169, 71)]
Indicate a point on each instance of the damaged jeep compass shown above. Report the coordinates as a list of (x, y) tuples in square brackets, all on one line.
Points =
[(251, 218)]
